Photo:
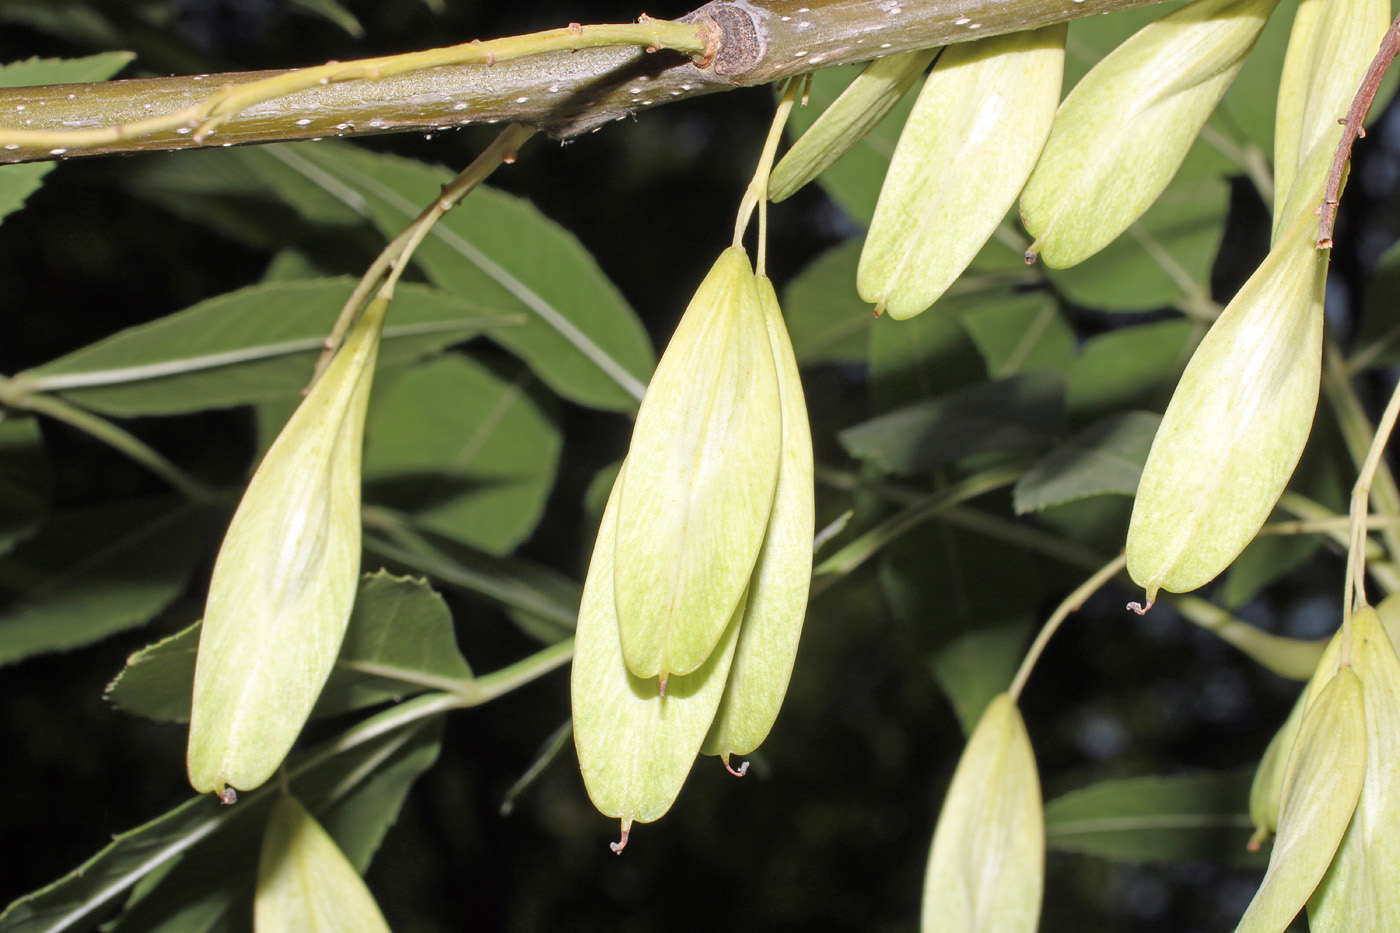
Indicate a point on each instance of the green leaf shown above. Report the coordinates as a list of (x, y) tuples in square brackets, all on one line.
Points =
[(157, 680), (1267, 558), (826, 318), (212, 848), (252, 345), (18, 182), (929, 354), (92, 572), (26, 480), (944, 581), (1020, 331), (305, 882), (1018, 413), (1133, 367), (203, 894), (543, 602), (399, 642), (581, 338), (469, 455), (977, 666), (1379, 340), (36, 71), (1183, 818), (1104, 458)]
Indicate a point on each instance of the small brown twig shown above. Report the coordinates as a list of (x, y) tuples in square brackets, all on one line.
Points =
[(1354, 128)]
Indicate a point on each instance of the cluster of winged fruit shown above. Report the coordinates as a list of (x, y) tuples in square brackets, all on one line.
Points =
[(696, 592), (989, 129)]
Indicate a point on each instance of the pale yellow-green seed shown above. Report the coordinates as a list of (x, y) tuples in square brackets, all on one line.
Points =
[(635, 746), (1125, 129), (702, 468), (777, 601), (962, 158), (1267, 788), (986, 868), (1236, 424), (305, 883), (1361, 890), (1320, 790), (864, 103), (285, 580)]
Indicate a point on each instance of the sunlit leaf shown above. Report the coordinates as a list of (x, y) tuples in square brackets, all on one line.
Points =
[(469, 455), (256, 344), (399, 642), (581, 337)]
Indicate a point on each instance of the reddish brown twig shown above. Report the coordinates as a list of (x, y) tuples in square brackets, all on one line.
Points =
[(1354, 128)]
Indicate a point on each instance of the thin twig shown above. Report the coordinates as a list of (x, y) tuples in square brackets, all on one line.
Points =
[(1354, 127), (1069, 604), (383, 274), (203, 118)]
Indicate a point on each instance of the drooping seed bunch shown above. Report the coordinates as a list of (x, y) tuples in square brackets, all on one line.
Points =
[(1330, 786), (1231, 436), (698, 584), (1237, 423)]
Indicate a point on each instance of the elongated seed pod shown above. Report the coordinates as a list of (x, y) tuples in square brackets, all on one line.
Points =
[(777, 600), (962, 158), (1122, 133), (862, 105), (1267, 787), (986, 869), (1320, 790), (1361, 890), (702, 468), (285, 580), (1236, 425), (635, 746)]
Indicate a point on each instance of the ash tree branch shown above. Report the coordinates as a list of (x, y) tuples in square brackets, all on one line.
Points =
[(562, 93)]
